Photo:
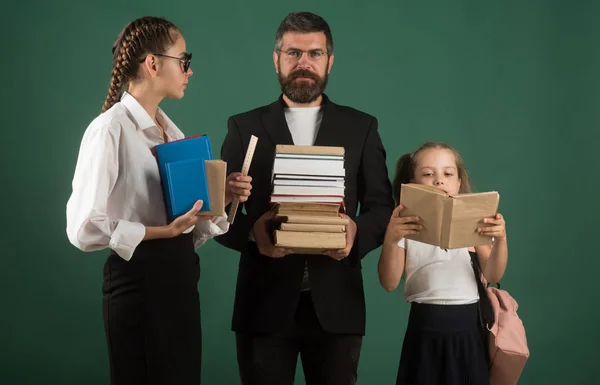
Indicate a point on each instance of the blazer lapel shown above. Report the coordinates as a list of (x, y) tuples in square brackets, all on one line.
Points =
[(273, 119)]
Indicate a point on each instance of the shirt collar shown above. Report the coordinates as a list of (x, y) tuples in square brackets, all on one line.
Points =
[(144, 121)]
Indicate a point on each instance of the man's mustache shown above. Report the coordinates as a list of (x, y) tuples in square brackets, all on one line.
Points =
[(304, 74)]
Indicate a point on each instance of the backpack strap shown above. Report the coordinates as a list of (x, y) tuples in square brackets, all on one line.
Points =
[(486, 312)]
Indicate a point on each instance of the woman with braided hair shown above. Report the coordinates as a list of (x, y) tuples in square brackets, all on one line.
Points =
[(150, 295)]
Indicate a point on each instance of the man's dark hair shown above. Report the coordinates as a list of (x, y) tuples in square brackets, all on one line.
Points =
[(303, 22)]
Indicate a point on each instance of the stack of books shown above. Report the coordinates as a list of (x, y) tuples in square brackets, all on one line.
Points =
[(189, 173), (308, 189)]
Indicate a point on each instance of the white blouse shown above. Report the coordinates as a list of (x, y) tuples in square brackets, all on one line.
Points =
[(116, 185), (438, 276)]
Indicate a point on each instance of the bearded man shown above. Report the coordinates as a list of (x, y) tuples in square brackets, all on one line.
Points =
[(287, 303)]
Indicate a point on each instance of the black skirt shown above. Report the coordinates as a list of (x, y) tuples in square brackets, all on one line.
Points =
[(443, 345), (151, 314)]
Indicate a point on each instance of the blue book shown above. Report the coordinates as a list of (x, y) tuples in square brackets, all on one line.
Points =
[(187, 179), (188, 148)]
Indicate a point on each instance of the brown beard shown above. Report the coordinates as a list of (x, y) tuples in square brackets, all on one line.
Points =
[(302, 92)]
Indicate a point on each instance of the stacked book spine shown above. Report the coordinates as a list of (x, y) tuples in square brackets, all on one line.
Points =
[(308, 190)]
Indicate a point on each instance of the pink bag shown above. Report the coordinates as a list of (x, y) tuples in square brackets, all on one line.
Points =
[(507, 341)]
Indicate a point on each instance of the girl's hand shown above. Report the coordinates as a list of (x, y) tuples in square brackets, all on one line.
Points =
[(187, 220), (497, 230), (399, 227)]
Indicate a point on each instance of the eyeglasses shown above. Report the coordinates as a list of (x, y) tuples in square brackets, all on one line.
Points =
[(186, 60), (296, 54)]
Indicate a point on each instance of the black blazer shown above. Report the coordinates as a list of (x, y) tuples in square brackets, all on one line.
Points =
[(268, 289)]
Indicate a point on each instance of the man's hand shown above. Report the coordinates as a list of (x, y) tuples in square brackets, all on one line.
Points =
[(340, 254), (237, 187), (262, 230)]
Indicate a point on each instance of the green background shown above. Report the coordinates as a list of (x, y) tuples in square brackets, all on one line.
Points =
[(513, 85)]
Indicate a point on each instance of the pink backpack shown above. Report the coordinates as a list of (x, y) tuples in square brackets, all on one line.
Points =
[(507, 342)]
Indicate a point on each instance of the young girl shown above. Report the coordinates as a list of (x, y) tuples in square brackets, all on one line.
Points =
[(151, 303), (444, 342)]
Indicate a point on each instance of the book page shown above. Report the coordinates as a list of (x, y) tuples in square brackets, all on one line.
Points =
[(300, 240), (428, 205), (468, 213)]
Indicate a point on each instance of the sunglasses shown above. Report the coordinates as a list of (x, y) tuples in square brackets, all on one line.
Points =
[(186, 60)]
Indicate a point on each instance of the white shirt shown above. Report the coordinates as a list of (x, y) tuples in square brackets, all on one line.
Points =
[(438, 276), (304, 123), (116, 185)]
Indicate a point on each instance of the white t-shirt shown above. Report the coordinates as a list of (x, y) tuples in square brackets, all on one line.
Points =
[(304, 123), (438, 276)]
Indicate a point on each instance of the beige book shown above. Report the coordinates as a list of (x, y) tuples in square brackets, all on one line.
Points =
[(297, 213), (310, 227), (311, 219), (308, 206), (450, 221), (309, 242), (216, 174), (309, 150)]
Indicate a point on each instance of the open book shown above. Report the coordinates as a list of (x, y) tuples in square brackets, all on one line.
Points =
[(449, 221)]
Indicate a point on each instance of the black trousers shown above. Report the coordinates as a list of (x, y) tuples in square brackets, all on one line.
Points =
[(327, 358), (151, 314)]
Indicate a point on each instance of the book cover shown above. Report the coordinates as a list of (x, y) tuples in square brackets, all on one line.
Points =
[(309, 150), (449, 221), (310, 217), (197, 146), (216, 176), (195, 149), (186, 183), (312, 227), (309, 242)]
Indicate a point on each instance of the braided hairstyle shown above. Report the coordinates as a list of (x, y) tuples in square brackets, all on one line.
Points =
[(405, 168), (139, 38)]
